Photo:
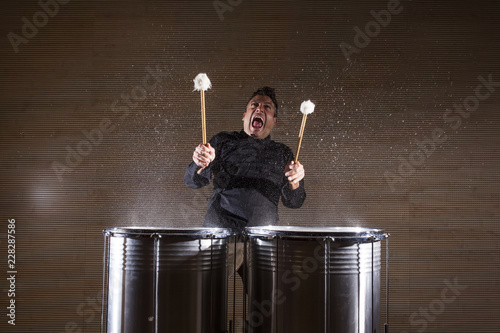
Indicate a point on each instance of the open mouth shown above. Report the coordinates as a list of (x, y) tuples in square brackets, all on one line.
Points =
[(257, 122)]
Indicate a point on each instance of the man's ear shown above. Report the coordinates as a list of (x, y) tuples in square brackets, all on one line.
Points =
[(275, 121)]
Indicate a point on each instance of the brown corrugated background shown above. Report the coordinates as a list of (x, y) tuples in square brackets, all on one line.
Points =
[(443, 215)]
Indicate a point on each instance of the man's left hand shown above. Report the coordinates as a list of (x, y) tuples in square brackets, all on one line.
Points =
[(295, 173)]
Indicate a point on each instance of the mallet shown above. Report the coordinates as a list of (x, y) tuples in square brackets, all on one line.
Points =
[(306, 108), (202, 83)]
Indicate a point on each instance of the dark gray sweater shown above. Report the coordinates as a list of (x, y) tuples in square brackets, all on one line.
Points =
[(248, 179)]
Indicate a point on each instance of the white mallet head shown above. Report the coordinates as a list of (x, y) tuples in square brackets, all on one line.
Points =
[(202, 82), (307, 107)]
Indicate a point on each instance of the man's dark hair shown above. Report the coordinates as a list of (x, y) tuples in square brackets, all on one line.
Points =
[(269, 92)]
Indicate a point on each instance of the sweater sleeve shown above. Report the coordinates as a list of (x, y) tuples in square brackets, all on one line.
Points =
[(195, 180), (293, 198)]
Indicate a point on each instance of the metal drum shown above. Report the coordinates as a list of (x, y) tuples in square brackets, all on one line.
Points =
[(166, 280), (308, 279)]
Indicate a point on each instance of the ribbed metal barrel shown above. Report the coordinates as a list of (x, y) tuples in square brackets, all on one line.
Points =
[(167, 280), (306, 279)]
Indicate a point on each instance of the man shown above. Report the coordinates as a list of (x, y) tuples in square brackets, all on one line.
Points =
[(250, 171)]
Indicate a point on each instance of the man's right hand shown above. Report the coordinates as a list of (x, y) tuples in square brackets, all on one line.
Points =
[(203, 155)]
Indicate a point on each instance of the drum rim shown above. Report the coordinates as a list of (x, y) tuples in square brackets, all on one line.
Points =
[(348, 233), (185, 232)]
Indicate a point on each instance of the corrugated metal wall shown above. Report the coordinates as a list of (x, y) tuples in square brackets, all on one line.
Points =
[(99, 120)]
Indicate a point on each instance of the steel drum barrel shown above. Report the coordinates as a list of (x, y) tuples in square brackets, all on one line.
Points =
[(307, 279), (166, 280)]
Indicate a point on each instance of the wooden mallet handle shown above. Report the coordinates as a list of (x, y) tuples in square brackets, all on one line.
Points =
[(301, 134), (203, 120)]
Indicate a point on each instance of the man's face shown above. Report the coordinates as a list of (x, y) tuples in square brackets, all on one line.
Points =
[(259, 119)]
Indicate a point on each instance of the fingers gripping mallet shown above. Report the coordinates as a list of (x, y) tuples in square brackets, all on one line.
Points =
[(202, 83)]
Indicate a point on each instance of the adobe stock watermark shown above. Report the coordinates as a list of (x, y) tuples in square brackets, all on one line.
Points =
[(89, 310), (92, 307), (121, 109), (452, 121), (420, 319), (293, 278), (225, 6), (30, 28), (372, 29)]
